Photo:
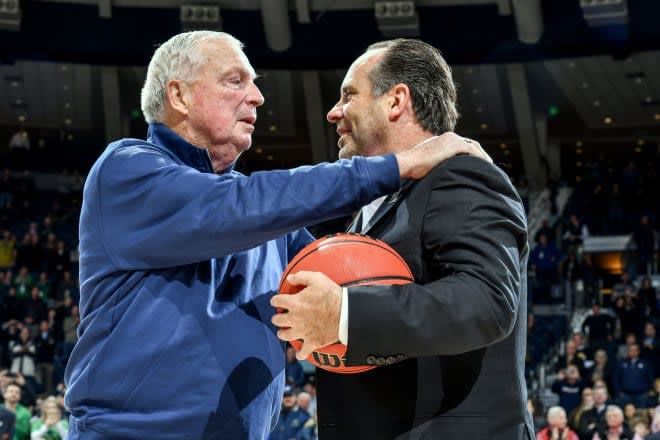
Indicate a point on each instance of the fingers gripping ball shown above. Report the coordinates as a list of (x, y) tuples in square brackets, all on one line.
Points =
[(348, 260)]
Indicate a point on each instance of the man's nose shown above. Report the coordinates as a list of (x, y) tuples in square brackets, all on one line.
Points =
[(255, 97), (335, 114)]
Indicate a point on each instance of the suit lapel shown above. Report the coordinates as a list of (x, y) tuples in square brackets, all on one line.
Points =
[(390, 202)]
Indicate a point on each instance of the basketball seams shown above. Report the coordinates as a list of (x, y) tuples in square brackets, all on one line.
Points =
[(375, 242), (332, 356), (372, 279)]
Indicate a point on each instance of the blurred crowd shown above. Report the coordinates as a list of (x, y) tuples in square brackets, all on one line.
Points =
[(39, 296)]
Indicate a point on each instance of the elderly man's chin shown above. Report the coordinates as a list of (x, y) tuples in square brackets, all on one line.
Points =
[(346, 152)]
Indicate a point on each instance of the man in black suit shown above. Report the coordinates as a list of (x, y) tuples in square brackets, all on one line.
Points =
[(450, 347)]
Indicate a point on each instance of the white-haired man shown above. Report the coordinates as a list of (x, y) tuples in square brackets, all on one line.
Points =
[(616, 428), (557, 428), (180, 254)]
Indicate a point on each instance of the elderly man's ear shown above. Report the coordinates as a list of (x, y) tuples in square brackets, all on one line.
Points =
[(178, 96)]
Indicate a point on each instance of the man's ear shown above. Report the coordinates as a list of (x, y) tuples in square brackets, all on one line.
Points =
[(399, 101), (177, 95)]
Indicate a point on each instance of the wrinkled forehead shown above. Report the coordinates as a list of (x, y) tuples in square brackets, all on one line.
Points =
[(223, 55)]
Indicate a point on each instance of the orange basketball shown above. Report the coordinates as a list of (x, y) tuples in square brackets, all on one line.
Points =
[(349, 260)]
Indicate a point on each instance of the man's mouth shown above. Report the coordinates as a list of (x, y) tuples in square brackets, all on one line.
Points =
[(249, 120)]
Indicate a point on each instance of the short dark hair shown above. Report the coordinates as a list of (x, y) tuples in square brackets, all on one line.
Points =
[(422, 68)]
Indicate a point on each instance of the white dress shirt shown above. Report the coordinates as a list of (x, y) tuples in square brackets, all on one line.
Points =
[(367, 212)]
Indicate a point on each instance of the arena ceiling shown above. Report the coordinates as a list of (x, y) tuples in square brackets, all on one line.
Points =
[(580, 81)]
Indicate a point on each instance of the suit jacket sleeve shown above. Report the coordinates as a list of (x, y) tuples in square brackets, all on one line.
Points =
[(474, 230)]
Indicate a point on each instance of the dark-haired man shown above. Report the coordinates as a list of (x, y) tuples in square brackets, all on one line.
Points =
[(451, 346)]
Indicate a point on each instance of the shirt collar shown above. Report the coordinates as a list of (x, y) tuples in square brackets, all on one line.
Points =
[(188, 153)]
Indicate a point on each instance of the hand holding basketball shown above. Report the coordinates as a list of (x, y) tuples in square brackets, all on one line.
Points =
[(309, 304), (313, 313)]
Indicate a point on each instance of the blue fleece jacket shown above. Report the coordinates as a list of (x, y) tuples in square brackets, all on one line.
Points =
[(177, 268)]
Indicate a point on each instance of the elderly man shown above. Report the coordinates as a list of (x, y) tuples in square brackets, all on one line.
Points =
[(451, 346), (180, 254), (557, 429), (616, 428)]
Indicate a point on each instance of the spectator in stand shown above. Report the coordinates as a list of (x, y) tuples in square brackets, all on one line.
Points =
[(48, 231), (645, 239), (309, 430), (629, 312), (602, 369), (310, 388), (304, 402), (535, 410), (70, 325), (67, 286), (291, 418), (580, 345), (49, 251), (35, 307), (631, 339), (575, 232), (62, 258), (7, 423), (619, 288), (629, 413), (648, 296), (30, 254), (546, 230), (572, 357), (615, 429), (23, 283), (599, 328), (51, 425), (594, 418), (568, 387), (6, 281), (655, 427), (23, 352), (556, 429), (7, 250), (586, 404), (544, 261), (651, 347), (6, 187), (43, 286), (295, 376), (633, 378), (44, 342), (12, 397), (640, 430), (654, 396)]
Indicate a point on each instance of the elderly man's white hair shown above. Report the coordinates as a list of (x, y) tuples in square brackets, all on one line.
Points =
[(613, 409), (555, 411), (177, 58)]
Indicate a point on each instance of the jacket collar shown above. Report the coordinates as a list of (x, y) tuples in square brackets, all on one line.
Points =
[(390, 202), (186, 152)]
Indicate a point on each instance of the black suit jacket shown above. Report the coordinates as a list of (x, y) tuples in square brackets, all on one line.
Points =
[(451, 345)]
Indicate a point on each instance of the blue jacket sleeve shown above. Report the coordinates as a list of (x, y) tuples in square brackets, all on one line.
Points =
[(155, 212)]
